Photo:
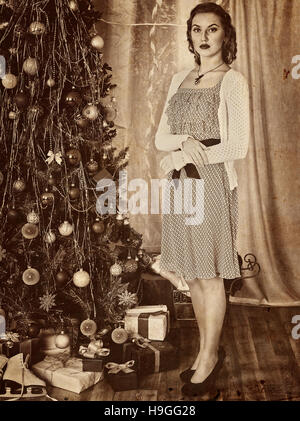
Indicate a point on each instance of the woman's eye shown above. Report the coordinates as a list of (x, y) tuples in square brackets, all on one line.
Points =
[(213, 29), (196, 30)]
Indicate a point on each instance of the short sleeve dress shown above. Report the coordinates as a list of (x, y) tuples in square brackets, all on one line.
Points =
[(207, 249)]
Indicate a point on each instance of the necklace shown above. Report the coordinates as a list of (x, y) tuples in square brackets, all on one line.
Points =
[(197, 80)]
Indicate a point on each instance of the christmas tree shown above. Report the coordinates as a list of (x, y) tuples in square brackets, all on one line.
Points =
[(59, 256)]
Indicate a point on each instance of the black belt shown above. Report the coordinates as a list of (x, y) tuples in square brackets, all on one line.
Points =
[(191, 169)]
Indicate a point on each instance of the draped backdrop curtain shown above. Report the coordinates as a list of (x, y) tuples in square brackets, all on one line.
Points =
[(145, 43)]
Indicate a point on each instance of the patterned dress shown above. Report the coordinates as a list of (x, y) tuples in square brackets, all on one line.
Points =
[(206, 249)]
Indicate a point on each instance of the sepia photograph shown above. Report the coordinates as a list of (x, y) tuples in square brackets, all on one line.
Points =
[(149, 203)]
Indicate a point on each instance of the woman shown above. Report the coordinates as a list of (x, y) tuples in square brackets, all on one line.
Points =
[(206, 105)]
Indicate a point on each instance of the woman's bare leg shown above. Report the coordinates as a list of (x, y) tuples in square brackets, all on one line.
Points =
[(198, 304), (209, 302)]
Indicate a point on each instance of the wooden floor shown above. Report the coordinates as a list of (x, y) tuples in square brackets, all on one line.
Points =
[(262, 362)]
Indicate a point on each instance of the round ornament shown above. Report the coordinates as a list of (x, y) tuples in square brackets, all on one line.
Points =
[(98, 226), (116, 269), (21, 99), (12, 215), (110, 114), (33, 330), (130, 266), (88, 327), (65, 228), (37, 28), (62, 340), (30, 276), (50, 237), (119, 335), (92, 166), (51, 180), (19, 185), (81, 122), (50, 82), (9, 81), (33, 218), (97, 42), (74, 192), (61, 278), (81, 278), (12, 115), (30, 231), (47, 198), (74, 156), (91, 112), (73, 98), (30, 66), (73, 5), (36, 110)]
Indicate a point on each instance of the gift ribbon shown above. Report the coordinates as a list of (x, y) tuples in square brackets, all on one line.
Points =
[(142, 342), (85, 352), (143, 321), (115, 368), (11, 336), (95, 348), (54, 156)]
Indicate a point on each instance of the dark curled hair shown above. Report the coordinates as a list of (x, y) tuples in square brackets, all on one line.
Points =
[(229, 47)]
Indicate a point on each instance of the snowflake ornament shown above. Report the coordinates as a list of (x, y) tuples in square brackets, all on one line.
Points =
[(127, 299), (47, 301)]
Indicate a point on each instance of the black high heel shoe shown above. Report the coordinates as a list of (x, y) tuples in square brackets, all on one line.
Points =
[(194, 389), (186, 375)]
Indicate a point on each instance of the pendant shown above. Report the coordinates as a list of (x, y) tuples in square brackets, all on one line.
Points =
[(197, 80)]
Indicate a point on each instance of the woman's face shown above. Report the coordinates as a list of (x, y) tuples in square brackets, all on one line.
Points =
[(207, 31)]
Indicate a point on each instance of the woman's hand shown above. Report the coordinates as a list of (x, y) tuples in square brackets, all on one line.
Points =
[(196, 150), (167, 164)]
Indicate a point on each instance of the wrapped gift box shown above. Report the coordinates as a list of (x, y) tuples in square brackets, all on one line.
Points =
[(123, 381), (28, 346), (155, 357), (120, 352), (152, 322), (68, 376), (93, 364)]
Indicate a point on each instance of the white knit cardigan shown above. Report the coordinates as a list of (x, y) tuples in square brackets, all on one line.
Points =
[(234, 125)]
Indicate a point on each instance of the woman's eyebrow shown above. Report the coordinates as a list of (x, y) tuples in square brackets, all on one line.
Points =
[(208, 26)]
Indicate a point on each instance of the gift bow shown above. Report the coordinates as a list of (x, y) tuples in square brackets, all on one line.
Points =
[(54, 156), (140, 341), (57, 361), (11, 336), (94, 348), (115, 368)]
